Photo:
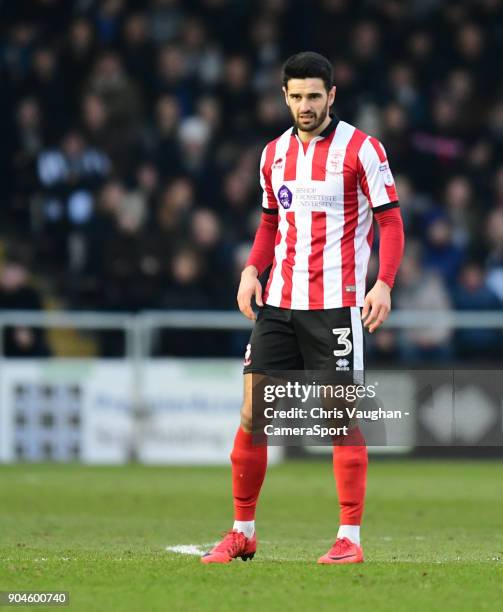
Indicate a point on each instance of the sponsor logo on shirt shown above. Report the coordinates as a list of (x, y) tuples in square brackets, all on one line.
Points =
[(386, 174), (285, 196)]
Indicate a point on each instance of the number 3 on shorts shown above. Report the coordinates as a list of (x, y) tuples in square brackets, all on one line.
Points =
[(342, 334)]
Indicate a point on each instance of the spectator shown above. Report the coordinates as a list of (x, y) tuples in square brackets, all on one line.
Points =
[(137, 48), (194, 137), (207, 237), (236, 95), (122, 99), (73, 165), (147, 184), (166, 19), (472, 293), (203, 58), (45, 82), (29, 142), (69, 176), (384, 348), (494, 239), (79, 52), (108, 18), (175, 204), (134, 264), (461, 210), (185, 290), (441, 253), (173, 78), (16, 293), (422, 290)]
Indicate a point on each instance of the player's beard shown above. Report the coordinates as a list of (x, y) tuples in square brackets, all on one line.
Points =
[(314, 120)]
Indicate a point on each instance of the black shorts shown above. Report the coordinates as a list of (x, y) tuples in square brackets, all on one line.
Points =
[(284, 339)]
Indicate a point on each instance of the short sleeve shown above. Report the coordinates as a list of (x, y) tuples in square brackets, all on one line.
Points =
[(376, 179)]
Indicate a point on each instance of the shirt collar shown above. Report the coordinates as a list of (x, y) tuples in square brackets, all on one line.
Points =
[(327, 131)]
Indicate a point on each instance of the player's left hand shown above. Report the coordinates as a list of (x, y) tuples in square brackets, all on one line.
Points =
[(377, 306)]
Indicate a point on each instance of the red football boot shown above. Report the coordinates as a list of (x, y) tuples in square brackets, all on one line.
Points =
[(235, 544), (343, 551)]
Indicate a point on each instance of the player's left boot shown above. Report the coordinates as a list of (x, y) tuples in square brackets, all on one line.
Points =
[(343, 551), (235, 544)]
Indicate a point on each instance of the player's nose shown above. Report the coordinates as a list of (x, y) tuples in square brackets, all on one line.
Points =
[(305, 107)]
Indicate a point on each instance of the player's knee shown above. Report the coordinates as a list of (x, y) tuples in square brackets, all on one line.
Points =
[(246, 416), (246, 407)]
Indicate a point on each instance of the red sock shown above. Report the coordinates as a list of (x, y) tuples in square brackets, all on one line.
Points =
[(249, 464), (350, 471)]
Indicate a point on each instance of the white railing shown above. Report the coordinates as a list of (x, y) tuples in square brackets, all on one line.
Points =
[(397, 319), (229, 320), (139, 328)]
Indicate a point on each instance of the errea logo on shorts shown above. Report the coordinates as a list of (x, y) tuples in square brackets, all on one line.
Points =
[(342, 365)]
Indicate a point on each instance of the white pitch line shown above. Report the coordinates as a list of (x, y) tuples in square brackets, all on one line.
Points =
[(190, 549), (201, 549)]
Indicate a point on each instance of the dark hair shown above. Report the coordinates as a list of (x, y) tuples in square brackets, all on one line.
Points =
[(308, 65)]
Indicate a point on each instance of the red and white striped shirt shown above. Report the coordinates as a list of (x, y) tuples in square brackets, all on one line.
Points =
[(324, 197)]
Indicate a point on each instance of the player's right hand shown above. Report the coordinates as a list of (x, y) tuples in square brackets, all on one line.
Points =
[(248, 287)]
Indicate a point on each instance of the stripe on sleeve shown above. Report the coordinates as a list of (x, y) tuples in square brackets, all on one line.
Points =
[(348, 281), (390, 189)]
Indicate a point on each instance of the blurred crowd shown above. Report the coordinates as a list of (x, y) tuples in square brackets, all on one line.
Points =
[(131, 133)]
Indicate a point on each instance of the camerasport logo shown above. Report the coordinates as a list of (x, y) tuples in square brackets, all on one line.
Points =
[(247, 360)]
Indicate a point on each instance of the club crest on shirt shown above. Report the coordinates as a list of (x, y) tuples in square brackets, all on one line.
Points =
[(285, 196), (335, 162)]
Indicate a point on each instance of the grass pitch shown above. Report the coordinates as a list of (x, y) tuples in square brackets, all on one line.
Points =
[(433, 538)]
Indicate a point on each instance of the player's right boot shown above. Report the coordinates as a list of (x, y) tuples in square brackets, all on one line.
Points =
[(235, 544)]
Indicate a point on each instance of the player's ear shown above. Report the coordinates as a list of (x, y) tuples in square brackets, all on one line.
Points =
[(331, 95), (285, 91)]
